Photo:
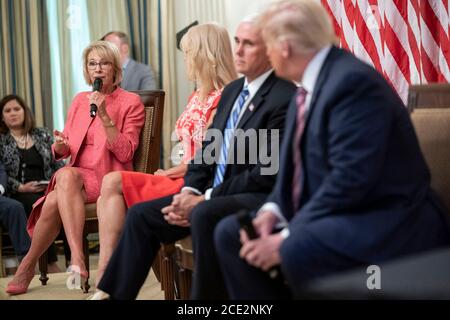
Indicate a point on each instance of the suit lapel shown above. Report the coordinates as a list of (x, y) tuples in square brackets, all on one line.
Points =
[(257, 100), (225, 113)]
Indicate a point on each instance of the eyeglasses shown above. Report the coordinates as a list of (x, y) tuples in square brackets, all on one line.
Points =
[(92, 65)]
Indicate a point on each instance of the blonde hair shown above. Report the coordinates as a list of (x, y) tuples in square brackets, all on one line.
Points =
[(108, 52), (209, 59), (304, 23)]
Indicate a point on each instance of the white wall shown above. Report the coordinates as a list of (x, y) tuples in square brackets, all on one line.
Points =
[(226, 12), (236, 10)]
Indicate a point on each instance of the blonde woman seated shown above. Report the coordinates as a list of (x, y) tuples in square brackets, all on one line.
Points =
[(209, 63), (96, 145)]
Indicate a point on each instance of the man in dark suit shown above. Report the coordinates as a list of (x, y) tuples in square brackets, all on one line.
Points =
[(249, 106), (136, 76), (353, 188), (14, 218)]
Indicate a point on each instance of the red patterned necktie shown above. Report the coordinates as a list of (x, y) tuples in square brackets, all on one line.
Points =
[(300, 126)]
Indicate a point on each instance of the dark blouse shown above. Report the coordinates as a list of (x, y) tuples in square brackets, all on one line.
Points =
[(31, 165)]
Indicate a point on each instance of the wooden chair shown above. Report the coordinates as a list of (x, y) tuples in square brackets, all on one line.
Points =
[(430, 114), (185, 262), (146, 160), (178, 253)]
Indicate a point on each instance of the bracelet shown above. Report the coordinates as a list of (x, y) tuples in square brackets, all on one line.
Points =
[(110, 124)]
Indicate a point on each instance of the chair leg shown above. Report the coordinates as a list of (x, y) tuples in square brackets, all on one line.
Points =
[(167, 271), (86, 261), (43, 264), (185, 280), (157, 267)]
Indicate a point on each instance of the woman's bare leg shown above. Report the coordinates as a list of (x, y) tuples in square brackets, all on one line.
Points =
[(71, 202), (111, 209), (45, 232)]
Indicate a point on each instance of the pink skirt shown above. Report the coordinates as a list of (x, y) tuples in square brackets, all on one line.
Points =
[(91, 186)]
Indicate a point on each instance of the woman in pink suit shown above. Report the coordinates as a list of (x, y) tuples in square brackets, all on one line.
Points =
[(96, 145), (209, 63)]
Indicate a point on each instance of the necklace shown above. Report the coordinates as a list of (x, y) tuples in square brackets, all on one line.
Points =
[(21, 141)]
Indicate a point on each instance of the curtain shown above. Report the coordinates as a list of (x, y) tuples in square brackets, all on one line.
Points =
[(68, 34), (113, 17), (168, 75), (24, 55), (206, 11)]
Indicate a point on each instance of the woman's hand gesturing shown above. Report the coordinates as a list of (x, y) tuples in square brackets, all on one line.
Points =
[(61, 142)]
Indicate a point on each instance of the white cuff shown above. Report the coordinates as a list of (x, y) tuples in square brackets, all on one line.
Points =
[(285, 233), (208, 193), (275, 209), (2, 189), (191, 189)]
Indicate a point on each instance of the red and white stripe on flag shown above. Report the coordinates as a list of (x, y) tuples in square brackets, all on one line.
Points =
[(406, 40)]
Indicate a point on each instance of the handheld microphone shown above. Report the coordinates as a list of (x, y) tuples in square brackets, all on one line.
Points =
[(245, 222), (96, 86)]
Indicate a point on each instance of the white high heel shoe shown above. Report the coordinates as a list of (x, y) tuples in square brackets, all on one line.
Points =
[(98, 295)]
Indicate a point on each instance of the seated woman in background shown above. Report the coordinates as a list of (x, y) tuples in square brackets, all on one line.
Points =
[(209, 63), (96, 145), (26, 153)]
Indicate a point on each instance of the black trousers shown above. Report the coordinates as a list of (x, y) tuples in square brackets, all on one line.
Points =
[(144, 230), (13, 218)]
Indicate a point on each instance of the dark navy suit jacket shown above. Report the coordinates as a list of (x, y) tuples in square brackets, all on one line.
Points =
[(270, 105), (365, 186)]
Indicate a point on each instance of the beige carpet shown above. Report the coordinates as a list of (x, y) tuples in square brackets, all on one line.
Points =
[(56, 288)]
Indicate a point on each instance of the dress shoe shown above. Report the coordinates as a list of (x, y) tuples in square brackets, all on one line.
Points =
[(19, 284)]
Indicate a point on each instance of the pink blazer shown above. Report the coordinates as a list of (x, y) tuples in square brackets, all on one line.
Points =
[(127, 112)]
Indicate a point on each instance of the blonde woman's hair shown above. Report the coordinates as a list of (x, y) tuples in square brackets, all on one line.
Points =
[(108, 52), (303, 23), (209, 59)]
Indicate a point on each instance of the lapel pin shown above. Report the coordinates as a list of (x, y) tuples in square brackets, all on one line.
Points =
[(251, 107)]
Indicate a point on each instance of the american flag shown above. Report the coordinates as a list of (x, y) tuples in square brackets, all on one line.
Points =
[(406, 40)]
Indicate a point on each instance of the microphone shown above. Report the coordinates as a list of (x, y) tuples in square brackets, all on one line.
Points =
[(245, 222), (97, 86)]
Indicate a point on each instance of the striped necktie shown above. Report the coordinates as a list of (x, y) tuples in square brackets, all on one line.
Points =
[(297, 159), (228, 135)]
